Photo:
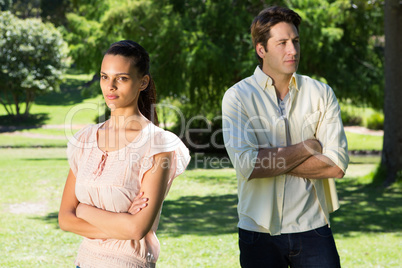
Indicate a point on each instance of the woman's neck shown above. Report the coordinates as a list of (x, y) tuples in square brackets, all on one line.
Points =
[(123, 119)]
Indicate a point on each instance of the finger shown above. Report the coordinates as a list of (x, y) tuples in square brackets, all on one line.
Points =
[(141, 194), (137, 209)]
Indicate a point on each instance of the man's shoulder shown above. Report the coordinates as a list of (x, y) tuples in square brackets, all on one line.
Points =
[(304, 81), (244, 86)]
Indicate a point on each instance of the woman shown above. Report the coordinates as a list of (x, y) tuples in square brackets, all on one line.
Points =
[(122, 169)]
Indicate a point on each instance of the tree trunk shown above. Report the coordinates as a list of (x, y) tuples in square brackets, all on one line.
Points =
[(9, 112), (392, 147), (17, 105), (28, 101)]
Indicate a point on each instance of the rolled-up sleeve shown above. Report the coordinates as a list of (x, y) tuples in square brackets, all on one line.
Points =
[(331, 133), (239, 137)]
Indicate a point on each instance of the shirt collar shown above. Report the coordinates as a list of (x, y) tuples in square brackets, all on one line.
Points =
[(265, 82)]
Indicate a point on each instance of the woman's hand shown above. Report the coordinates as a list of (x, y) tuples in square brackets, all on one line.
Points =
[(138, 204)]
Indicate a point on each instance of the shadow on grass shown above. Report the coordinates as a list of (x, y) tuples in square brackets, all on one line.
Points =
[(207, 215), (209, 161), (69, 93), (51, 218), (11, 123), (211, 215), (367, 208), (364, 209)]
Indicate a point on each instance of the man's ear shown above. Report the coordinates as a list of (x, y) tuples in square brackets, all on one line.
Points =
[(144, 82), (260, 50)]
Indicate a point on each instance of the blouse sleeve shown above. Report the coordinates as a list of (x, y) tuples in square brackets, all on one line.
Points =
[(165, 141), (76, 146)]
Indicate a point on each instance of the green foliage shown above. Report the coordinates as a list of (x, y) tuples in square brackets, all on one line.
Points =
[(5, 5), (32, 56), (350, 118), (341, 41), (26, 8), (54, 11), (199, 49), (376, 121)]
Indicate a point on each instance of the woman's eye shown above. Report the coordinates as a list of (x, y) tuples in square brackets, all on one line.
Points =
[(103, 77), (122, 78)]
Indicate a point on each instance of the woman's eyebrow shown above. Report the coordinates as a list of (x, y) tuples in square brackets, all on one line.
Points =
[(116, 73)]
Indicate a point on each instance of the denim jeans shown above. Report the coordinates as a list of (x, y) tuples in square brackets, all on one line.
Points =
[(311, 249)]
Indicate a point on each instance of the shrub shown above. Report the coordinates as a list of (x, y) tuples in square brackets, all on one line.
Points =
[(350, 119), (375, 121), (32, 56)]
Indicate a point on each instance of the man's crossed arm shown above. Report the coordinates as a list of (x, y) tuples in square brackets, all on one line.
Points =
[(302, 160)]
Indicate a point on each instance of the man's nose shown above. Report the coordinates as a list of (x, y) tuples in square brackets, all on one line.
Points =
[(292, 48)]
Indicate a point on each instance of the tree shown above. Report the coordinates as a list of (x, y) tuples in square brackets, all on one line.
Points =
[(392, 148), (5, 5), (26, 8), (199, 48), (32, 56), (341, 40)]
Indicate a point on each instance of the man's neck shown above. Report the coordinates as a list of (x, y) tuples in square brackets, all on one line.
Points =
[(281, 83)]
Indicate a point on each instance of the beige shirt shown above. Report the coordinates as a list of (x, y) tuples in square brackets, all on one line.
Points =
[(111, 181), (252, 120)]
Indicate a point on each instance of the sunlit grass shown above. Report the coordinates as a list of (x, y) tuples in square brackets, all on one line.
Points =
[(364, 142), (199, 218)]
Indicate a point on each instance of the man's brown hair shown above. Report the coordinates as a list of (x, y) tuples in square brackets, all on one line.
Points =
[(266, 19)]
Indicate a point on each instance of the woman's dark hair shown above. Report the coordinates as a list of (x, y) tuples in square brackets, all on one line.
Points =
[(266, 19), (140, 60)]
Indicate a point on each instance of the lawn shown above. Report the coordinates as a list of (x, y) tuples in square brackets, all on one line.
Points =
[(198, 223)]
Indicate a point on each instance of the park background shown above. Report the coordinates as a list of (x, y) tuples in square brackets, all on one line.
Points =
[(50, 53)]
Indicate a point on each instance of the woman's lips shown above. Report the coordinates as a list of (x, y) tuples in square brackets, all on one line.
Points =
[(112, 97)]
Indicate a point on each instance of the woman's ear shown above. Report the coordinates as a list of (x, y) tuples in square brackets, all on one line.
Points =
[(144, 82)]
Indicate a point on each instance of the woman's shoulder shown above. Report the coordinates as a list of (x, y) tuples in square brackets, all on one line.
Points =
[(83, 135), (160, 135), (160, 139)]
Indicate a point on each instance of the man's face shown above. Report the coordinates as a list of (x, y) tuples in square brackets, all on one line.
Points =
[(282, 54)]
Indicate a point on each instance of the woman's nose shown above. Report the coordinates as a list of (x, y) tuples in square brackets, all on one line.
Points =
[(111, 85)]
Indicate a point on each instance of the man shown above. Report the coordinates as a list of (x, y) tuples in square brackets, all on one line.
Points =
[(284, 135)]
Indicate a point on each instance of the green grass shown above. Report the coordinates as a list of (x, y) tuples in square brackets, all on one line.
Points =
[(364, 142), (198, 223), (67, 106)]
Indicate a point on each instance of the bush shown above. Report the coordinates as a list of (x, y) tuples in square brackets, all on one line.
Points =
[(33, 58), (350, 119), (375, 121)]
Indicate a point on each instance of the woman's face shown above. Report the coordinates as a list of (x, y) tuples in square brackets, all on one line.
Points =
[(120, 83)]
